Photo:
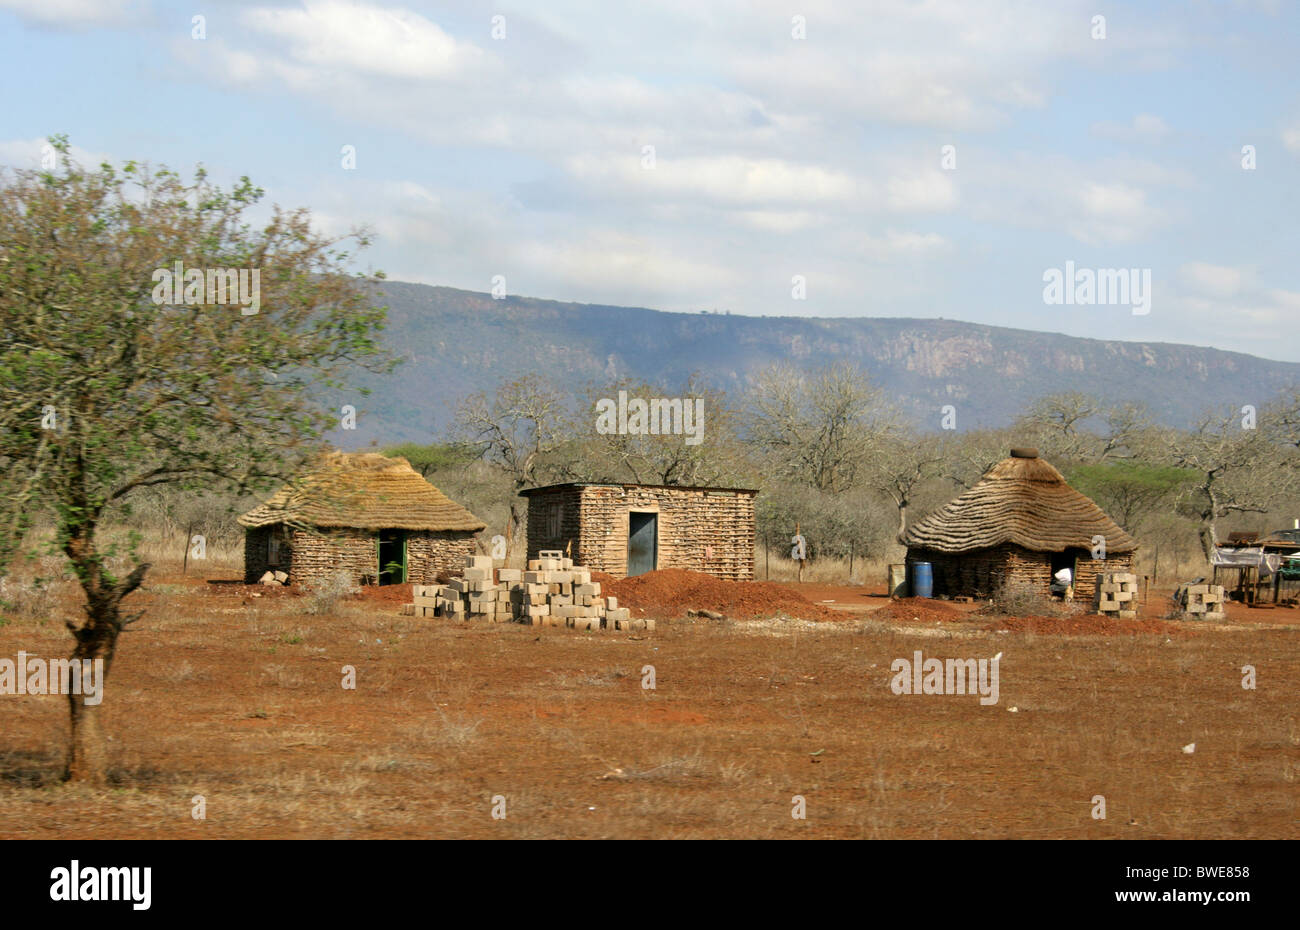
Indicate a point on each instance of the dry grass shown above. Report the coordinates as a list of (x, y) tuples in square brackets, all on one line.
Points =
[(240, 701)]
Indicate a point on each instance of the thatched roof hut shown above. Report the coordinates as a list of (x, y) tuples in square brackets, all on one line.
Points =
[(372, 516), (1023, 522)]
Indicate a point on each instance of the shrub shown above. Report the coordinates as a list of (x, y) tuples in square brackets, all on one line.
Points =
[(324, 593), (1026, 599)]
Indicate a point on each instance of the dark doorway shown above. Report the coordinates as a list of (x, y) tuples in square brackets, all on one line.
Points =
[(392, 557), (1062, 560), (642, 542), (1067, 559)]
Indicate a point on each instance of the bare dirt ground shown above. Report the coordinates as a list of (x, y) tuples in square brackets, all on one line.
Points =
[(238, 698)]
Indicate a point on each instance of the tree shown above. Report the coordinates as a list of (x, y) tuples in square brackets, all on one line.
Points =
[(1059, 425), (427, 459), (708, 453), (819, 429), (518, 429), (1130, 491), (109, 386), (966, 457), (1232, 471), (901, 467)]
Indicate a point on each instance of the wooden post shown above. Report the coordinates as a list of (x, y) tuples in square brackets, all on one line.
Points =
[(185, 563), (851, 545), (767, 561)]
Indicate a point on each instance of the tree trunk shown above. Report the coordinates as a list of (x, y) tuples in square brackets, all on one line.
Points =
[(1208, 535), (96, 640), (902, 521), (87, 749)]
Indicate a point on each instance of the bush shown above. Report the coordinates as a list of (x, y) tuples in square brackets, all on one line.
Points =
[(1026, 599), (325, 593)]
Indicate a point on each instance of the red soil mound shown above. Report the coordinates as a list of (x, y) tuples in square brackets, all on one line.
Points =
[(388, 593), (926, 610), (670, 592)]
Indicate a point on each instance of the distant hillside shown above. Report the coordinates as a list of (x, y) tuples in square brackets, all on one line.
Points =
[(456, 342)]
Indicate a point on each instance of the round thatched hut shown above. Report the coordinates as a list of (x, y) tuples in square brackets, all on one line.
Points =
[(1020, 524), (371, 516)]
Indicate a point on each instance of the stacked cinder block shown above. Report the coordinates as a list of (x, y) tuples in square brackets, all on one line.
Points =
[(552, 592), (474, 595), (1203, 601), (1117, 595), (555, 592)]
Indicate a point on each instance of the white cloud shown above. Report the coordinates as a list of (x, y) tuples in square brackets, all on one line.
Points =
[(1112, 213), (1145, 127), (366, 39), (723, 179), (73, 14), (1217, 280), (1291, 140), (638, 265), (896, 245)]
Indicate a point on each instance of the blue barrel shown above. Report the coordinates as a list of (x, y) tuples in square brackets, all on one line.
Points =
[(922, 580)]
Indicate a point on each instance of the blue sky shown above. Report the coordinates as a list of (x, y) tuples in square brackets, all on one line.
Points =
[(774, 156)]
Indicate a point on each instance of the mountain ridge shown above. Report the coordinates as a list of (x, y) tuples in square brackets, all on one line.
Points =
[(456, 342)]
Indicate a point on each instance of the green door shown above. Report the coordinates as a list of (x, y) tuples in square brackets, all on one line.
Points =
[(392, 557)]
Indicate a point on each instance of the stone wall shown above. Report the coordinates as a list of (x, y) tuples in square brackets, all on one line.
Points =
[(981, 572), (698, 529), (1087, 571), (309, 554), (428, 553)]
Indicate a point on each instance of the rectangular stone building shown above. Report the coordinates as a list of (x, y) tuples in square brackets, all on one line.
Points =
[(630, 529)]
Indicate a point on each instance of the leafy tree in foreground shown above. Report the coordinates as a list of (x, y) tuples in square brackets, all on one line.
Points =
[(104, 391)]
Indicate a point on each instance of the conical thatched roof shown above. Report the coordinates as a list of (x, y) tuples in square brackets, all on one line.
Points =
[(363, 490), (1021, 500)]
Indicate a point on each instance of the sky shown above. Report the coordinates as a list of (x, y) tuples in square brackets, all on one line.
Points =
[(896, 158)]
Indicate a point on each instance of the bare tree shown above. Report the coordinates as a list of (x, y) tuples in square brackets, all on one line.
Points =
[(903, 465), (966, 457), (1233, 471), (1076, 427), (820, 429), (519, 429), (710, 454)]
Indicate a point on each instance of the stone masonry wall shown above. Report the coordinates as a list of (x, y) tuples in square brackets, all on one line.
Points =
[(700, 530)]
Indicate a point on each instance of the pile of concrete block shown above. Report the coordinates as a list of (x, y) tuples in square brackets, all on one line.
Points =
[(555, 592), (274, 578), (551, 592), (1117, 594), (476, 595), (1203, 601)]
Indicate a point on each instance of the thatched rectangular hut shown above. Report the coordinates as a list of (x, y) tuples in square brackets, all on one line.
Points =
[(630, 529), (371, 516), (1020, 524)]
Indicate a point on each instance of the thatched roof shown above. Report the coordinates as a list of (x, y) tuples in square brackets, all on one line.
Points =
[(1021, 500), (363, 490)]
